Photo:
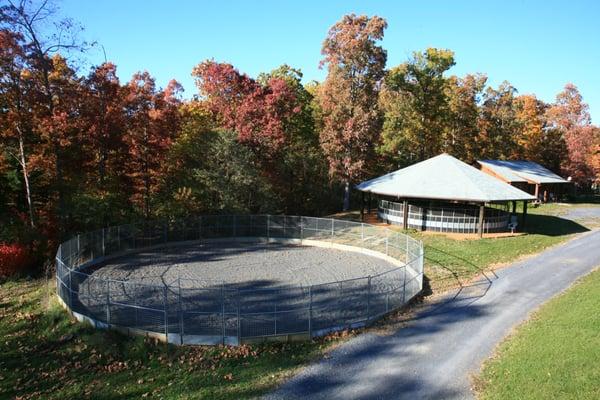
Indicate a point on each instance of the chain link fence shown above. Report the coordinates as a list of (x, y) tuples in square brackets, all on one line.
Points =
[(187, 311)]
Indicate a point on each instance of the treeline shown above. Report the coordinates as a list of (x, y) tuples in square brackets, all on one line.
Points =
[(82, 150)]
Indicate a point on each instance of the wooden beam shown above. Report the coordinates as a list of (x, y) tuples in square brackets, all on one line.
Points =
[(369, 206), (537, 190), (405, 215), (481, 215), (524, 214), (514, 207)]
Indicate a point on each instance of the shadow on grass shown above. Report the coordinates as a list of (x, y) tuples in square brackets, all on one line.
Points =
[(552, 226), (585, 198)]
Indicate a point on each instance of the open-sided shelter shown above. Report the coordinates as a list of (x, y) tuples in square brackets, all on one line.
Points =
[(526, 175), (444, 194)]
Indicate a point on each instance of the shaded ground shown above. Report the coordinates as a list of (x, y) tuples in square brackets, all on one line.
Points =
[(446, 342)]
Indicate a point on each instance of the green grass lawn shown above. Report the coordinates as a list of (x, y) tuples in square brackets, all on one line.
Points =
[(555, 355), (44, 354), (450, 262)]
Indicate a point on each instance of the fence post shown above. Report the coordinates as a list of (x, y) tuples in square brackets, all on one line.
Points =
[(404, 285), (332, 231), (387, 302), (103, 244), (70, 290), (181, 326), (108, 302), (368, 298), (406, 253), (200, 228), (239, 323), (268, 227), (310, 297), (166, 310), (223, 311)]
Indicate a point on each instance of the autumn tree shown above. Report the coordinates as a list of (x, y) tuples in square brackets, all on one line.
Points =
[(594, 157), (15, 123), (461, 136), (416, 106), (103, 110), (256, 112), (570, 115), (348, 97), (529, 138), (210, 172), (497, 124), (301, 171), (152, 117), (273, 116), (31, 19)]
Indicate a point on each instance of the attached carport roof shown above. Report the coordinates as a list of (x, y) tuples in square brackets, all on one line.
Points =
[(522, 171), (443, 178)]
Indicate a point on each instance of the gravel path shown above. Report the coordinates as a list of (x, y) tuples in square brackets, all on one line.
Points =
[(245, 264), (434, 356)]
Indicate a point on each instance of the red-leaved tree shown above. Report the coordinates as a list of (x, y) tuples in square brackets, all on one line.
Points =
[(256, 112), (348, 97)]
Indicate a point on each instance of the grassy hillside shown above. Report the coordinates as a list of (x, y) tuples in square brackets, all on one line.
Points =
[(554, 355), (45, 354)]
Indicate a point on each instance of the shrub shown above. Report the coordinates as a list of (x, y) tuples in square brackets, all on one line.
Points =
[(14, 258)]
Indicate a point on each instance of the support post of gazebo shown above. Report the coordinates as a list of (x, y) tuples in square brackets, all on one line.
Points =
[(369, 207), (524, 214), (362, 206), (537, 191), (514, 207), (481, 215), (405, 215)]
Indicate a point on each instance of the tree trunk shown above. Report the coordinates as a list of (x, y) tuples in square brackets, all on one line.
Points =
[(23, 163), (346, 195)]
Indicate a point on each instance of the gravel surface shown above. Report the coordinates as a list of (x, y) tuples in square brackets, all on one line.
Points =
[(247, 265), (435, 355), (212, 290)]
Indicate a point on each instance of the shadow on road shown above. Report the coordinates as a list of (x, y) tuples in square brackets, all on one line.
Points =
[(360, 377)]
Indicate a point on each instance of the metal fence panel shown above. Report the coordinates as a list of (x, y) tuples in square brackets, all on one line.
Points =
[(217, 312)]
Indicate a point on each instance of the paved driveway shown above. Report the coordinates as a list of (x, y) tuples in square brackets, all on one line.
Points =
[(434, 356)]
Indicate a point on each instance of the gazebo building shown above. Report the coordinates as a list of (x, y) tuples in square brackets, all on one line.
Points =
[(444, 194), (527, 175)]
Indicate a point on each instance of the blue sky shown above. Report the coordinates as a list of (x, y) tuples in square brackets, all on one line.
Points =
[(538, 46)]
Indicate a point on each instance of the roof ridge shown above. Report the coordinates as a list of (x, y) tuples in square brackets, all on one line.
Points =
[(457, 164)]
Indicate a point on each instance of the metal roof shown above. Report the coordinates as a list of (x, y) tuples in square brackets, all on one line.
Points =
[(443, 178), (522, 171)]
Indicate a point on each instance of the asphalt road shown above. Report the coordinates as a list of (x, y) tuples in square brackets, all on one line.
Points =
[(434, 356)]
